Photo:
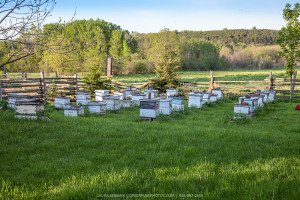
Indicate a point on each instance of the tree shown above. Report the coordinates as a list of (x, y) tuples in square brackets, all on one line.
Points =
[(289, 38), (21, 28), (167, 61)]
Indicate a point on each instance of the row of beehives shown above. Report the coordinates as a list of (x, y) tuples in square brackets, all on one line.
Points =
[(150, 104), (249, 103)]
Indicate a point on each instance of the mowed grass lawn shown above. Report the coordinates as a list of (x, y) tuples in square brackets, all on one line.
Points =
[(198, 152)]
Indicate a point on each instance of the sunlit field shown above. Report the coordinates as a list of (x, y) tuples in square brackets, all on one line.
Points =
[(200, 152)]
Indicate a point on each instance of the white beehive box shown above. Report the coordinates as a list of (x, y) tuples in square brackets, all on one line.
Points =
[(213, 97), (112, 102), (242, 109), (83, 98), (154, 93), (206, 97), (253, 102), (178, 103), (60, 102), (73, 111), (218, 92), (137, 97), (271, 93), (260, 99), (29, 109), (15, 97), (171, 92), (97, 107), (127, 103), (99, 94), (165, 106), (130, 92), (195, 100), (149, 108)]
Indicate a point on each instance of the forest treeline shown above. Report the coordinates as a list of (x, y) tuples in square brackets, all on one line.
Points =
[(88, 43)]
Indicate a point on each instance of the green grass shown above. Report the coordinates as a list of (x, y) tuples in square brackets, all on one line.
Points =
[(196, 152)]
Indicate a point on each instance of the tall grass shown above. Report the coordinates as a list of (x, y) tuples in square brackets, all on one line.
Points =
[(199, 151)]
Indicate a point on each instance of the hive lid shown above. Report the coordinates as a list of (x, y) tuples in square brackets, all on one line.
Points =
[(29, 103), (83, 93), (59, 97), (96, 103)]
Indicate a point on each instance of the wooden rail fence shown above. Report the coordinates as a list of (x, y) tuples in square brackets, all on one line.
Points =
[(47, 88)]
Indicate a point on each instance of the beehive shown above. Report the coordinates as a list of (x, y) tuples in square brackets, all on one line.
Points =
[(137, 97), (253, 102), (206, 97), (60, 102), (127, 103), (73, 111), (213, 97), (218, 92), (171, 92), (99, 94), (195, 99), (165, 106), (260, 99), (130, 92), (154, 93), (15, 97), (149, 108), (178, 103), (267, 95), (271, 96), (112, 102), (242, 108), (97, 107), (29, 109), (83, 98)]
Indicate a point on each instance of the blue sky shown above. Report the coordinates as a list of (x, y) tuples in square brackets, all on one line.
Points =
[(153, 15)]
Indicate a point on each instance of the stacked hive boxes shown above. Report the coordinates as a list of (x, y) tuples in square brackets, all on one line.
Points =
[(165, 106), (195, 99), (60, 102), (149, 108), (15, 97), (73, 111), (83, 98), (97, 107), (99, 94), (29, 109), (112, 102)]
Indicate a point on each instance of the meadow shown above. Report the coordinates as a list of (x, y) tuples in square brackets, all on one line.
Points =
[(199, 153)]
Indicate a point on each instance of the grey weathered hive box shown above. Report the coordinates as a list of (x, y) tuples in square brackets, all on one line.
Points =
[(149, 108), (127, 103), (73, 111), (29, 109), (113, 102), (253, 102), (97, 107), (213, 97), (178, 103), (165, 106), (195, 99), (242, 108), (137, 97), (15, 97), (219, 92), (260, 99), (206, 97), (100, 93), (171, 92), (83, 98), (271, 93), (154, 93), (60, 102)]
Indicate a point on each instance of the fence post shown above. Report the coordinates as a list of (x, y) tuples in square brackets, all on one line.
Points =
[(4, 72), (43, 84), (270, 81), (294, 81), (22, 71), (56, 74), (212, 80), (109, 66), (76, 82)]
